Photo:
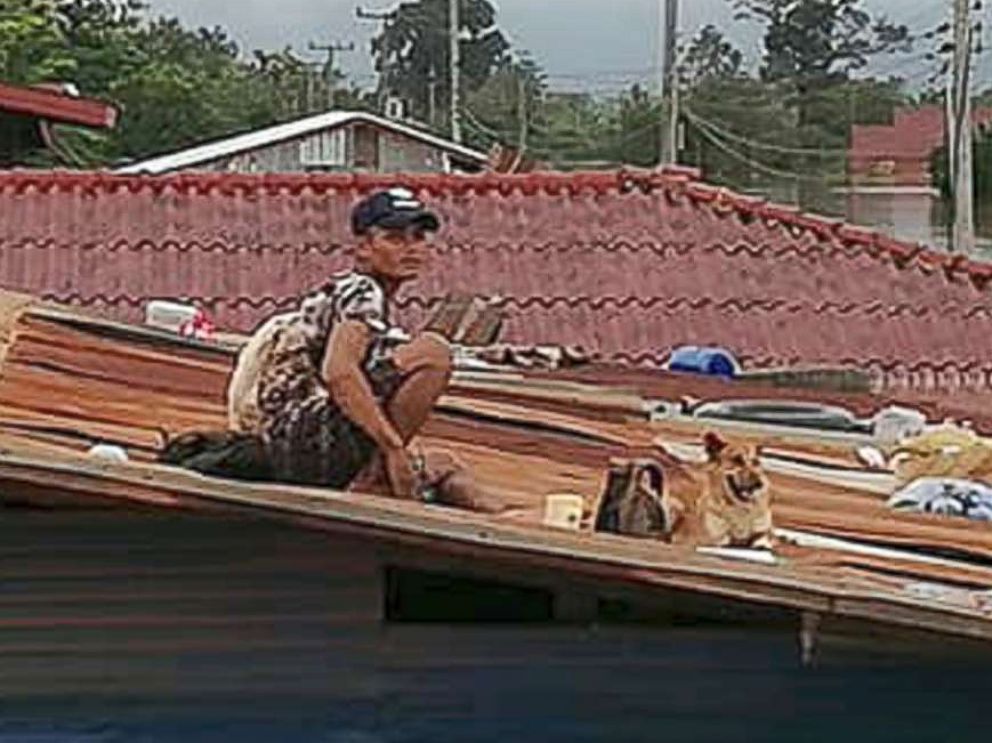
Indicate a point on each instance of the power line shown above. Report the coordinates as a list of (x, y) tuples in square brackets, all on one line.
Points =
[(616, 140), (768, 169), (755, 144)]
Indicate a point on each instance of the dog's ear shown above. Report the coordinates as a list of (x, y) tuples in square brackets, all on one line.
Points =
[(714, 445)]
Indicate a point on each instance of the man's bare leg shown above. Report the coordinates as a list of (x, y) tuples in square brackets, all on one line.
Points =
[(426, 365)]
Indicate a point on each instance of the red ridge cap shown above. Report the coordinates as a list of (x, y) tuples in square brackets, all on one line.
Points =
[(855, 235), (693, 174)]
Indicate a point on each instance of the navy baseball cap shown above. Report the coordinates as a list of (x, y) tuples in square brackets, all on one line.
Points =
[(395, 209)]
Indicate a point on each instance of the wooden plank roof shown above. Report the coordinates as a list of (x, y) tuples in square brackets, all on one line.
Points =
[(69, 380)]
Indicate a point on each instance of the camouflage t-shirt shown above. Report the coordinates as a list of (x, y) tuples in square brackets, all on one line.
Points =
[(281, 365)]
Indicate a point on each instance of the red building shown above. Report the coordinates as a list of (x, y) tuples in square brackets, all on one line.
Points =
[(898, 155)]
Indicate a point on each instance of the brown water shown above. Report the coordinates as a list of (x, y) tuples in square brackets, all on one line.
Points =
[(118, 627), (912, 217), (918, 218)]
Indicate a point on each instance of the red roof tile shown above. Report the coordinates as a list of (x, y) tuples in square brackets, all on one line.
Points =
[(627, 264)]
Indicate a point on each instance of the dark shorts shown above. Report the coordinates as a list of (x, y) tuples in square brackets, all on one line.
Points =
[(312, 442)]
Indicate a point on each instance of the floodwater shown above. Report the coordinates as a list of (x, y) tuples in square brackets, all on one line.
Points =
[(121, 627), (914, 217)]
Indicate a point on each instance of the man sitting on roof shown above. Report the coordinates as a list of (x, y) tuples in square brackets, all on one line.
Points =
[(334, 392)]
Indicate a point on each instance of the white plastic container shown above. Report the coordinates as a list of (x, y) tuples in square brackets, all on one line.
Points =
[(895, 423), (172, 316), (564, 511), (108, 453)]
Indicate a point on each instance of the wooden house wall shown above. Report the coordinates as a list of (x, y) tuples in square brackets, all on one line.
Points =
[(400, 154), (367, 149), (117, 626)]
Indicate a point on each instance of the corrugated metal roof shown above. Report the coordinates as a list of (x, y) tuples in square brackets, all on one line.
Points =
[(627, 264), (190, 158)]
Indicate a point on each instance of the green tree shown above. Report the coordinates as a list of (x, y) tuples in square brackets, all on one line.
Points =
[(180, 87), (814, 45), (572, 129), (508, 107), (718, 90), (175, 86), (711, 56), (639, 130), (412, 53), (981, 162), (32, 47)]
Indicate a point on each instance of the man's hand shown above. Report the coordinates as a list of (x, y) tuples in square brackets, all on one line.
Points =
[(399, 472)]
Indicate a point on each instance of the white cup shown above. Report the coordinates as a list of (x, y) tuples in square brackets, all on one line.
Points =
[(564, 511)]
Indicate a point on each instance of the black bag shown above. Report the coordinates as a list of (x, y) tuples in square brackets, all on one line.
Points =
[(633, 502), (237, 456)]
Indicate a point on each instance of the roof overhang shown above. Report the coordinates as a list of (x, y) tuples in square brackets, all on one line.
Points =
[(56, 107)]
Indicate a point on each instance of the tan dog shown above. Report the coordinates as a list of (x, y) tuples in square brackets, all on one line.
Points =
[(725, 502)]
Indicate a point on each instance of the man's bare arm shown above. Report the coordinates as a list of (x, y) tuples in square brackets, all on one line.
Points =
[(342, 372)]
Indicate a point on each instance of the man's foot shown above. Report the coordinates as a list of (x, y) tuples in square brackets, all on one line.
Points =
[(371, 480)]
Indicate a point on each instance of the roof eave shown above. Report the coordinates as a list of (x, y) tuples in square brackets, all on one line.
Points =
[(57, 107)]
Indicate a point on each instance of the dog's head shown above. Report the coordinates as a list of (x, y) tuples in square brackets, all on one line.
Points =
[(734, 470)]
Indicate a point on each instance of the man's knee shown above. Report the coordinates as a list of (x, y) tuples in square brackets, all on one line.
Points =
[(438, 353), (427, 351)]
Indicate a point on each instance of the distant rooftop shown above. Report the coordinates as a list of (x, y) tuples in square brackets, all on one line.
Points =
[(208, 152)]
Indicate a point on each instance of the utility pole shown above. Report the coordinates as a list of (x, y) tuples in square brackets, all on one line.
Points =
[(328, 71), (522, 111), (454, 20), (668, 25), (959, 132), (432, 97), (674, 100), (373, 15)]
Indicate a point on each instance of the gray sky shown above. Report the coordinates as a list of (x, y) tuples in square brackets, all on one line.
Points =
[(596, 45)]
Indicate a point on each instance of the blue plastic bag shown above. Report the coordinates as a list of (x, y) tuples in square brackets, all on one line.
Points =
[(707, 360)]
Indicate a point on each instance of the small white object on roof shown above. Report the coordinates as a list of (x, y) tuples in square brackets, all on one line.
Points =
[(564, 511), (760, 556), (167, 315), (871, 457), (108, 453), (895, 423)]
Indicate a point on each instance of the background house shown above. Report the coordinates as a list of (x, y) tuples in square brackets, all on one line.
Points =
[(342, 141), (898, 155)]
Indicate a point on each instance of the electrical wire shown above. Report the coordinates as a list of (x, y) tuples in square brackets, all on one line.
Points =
[(768, 169), (755, 144)]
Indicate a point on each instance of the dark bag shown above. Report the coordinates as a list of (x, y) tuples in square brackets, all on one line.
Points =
[(236, 456), (633, 502)]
